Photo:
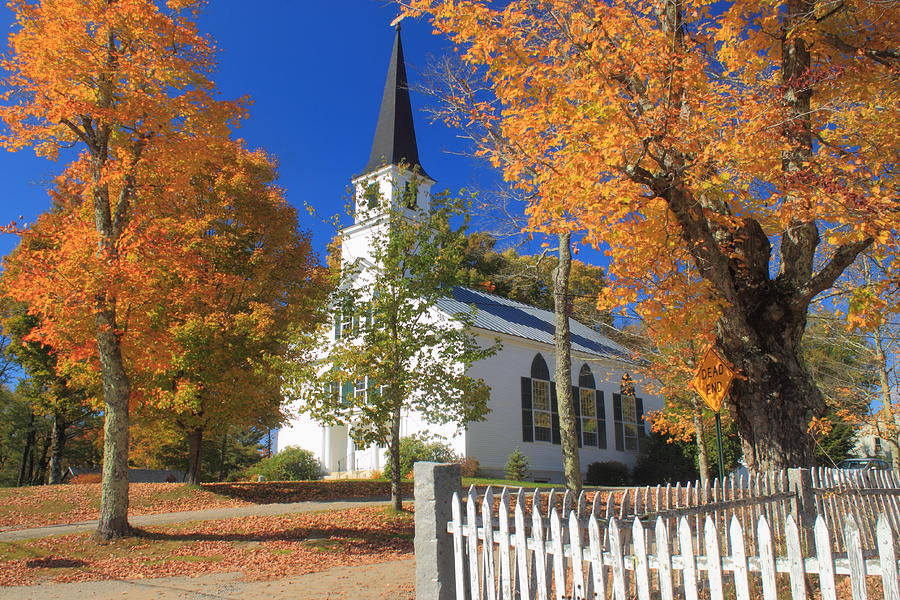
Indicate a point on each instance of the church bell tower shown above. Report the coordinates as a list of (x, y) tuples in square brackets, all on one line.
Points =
[(393, 178)]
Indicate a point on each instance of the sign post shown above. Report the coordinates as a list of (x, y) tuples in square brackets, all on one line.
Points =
[(712, 380)]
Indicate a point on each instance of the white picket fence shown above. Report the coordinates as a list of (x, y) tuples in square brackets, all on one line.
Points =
[(576, 553)]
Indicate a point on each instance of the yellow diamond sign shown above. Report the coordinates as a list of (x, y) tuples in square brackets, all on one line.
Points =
[(713, 379)]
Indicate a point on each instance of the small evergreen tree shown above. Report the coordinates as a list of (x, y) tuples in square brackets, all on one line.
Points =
[(516, 466)]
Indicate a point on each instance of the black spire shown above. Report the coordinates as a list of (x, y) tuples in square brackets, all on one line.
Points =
[(395, 136)]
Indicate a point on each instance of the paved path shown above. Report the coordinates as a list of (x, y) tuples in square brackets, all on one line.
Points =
[(381, 581), (210, 514)]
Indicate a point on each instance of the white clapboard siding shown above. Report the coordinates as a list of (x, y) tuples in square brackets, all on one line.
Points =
[(576, 555)]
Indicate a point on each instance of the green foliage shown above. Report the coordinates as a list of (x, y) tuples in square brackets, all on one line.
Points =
[(291, 464), (610, 472), (662, 461), (392, 355), (837, 444), (529, 278), (421, 447), (516, 466)]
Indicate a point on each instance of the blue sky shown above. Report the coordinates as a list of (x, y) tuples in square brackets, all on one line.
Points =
[(315, 72)]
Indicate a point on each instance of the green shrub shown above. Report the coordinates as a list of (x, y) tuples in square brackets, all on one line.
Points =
[(516, 466), (610, 472), (420, 447), (663, 462), (291, 464)]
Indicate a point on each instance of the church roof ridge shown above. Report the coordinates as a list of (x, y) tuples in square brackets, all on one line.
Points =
[(395, 134)]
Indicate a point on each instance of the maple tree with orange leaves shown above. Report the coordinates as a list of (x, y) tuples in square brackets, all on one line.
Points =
[(127, 83), (732, 159)]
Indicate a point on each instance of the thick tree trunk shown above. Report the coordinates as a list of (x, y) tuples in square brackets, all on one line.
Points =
[(113, 521), (568, 431), (57, 445), (25, 467), (774, 398), (394, 450), (195, 441), (702, 451)]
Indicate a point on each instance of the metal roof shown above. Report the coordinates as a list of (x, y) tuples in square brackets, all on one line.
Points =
[(502, 315)]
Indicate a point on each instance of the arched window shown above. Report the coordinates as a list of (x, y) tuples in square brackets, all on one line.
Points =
[(628, 416), (589, 410), (540, 418)]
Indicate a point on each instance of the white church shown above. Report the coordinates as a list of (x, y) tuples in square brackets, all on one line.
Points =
[(523, 408)]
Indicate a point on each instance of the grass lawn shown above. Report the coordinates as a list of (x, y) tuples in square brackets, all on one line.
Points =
[(500, 483), (260, 547)]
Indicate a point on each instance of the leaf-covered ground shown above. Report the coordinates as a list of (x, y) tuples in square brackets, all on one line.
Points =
[(259, 547), (53, 504)]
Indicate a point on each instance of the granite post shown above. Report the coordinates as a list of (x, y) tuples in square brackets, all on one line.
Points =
[(434, 487)]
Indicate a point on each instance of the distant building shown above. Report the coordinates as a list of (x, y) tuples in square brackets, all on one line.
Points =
[(523, 407)]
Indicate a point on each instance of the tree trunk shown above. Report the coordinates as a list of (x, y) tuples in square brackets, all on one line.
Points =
[(57, 445), (892, 426), (26, 465), (195, 439), (775, 397), (394, 450), (39, 476), (113, 521), (702, 451), (568, 431)]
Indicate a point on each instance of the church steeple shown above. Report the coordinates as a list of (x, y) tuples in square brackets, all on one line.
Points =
[(395, 135)]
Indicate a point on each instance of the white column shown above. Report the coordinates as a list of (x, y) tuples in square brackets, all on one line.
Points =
[(351, 452), (326, 448)]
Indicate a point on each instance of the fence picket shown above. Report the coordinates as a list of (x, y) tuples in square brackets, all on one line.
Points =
[(688, 562), (503, 541), (472, 533), (855, 558), (618, 560), (521, 580), (795, 558), (641, 566), (739, 560), (664, 560), (559, 559), (598, 575), (540, 551), (577, 558), (824, 559), (888, 559), (766, 558), (487, 509), (713, 559), (459, 571)]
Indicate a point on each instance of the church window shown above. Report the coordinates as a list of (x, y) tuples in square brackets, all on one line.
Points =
[(590, 412), (540, 415), (628, 415), (543, 421)]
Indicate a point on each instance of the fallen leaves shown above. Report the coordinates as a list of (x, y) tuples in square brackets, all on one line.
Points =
[(37, 506), (259, 547), (53, 504)]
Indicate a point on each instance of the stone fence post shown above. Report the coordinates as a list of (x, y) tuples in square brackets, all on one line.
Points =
[(434, 487)]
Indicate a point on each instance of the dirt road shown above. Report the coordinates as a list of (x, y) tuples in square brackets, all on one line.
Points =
[(383, 581)]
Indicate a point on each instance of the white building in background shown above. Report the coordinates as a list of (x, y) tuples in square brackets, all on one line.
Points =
[(523, 408)]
